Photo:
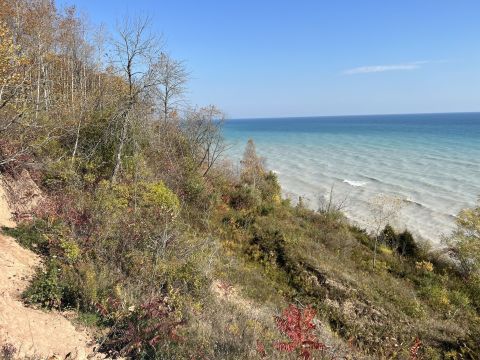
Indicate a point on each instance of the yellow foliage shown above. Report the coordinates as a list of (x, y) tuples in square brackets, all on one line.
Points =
[(10, 60), (466, 240), (70, 249), (424, 265), (159, 196), (234, 329), (89, 284), (113, 197), (438, 296), (385, 250)]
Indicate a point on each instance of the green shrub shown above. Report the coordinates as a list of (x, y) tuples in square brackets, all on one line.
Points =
[(194, 188), (266, 209), (389, 237), (112, 198), (465, 241), (157, 195), (362, 236), (245, 197), (89, 319), (70, 249), (437, 296), (403, 243), (268, 245), (88, 285), (270, 187), (472, 287), (60, 174), (46, 288), (407, 245), (31, 236), (459, 299)]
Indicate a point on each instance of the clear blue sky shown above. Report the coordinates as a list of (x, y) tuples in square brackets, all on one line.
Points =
[(261, 58)]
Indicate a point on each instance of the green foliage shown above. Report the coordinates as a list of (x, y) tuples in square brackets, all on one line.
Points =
[(46, 288), (245, 197), (268, 245), (472, 288), (465, 242), (31, 236), (159, 196), (113, 198), (194, 187), (60, 174), (253, 169), (403, 243), (437, 296), (89, 319), (407, 245), (270, 188), (389, 237), (70, 249)]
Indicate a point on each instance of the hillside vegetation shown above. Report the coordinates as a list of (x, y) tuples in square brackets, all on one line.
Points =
[(167, 250)]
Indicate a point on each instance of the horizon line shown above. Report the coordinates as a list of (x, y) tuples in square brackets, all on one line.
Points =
[(352, 115)]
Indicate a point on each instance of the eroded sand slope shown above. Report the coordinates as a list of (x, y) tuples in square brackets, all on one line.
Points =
[(32, 332)]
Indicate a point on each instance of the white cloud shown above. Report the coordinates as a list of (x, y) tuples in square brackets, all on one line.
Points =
[(383, 68)]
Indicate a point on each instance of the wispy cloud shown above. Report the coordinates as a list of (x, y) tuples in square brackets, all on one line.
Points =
[(382, 68)]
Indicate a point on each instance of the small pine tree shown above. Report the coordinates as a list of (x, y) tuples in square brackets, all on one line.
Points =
[(407, 245), (389, 237)]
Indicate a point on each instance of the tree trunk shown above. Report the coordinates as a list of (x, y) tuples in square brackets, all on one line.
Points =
[(118, 157)]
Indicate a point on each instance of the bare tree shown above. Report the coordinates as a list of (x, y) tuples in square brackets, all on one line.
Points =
[(330, 205), (203, 129), (134, 52), (172, 79)]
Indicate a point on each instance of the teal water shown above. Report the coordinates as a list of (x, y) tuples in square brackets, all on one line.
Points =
[(432, 161)]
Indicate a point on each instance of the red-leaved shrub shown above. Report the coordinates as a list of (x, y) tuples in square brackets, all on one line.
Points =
[(414, 349), (261, 349), (297, 324)]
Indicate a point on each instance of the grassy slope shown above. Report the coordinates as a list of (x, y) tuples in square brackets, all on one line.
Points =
[(325, 262), (269, 254)]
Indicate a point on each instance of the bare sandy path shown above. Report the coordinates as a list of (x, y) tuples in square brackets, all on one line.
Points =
[(33, 332)]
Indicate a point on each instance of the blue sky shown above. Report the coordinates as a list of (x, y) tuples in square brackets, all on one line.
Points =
[(317, 57)]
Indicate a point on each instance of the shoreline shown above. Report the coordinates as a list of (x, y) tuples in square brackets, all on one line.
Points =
[(361, 220)]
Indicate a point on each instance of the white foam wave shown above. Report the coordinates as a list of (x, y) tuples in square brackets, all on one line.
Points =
[(355, 183)]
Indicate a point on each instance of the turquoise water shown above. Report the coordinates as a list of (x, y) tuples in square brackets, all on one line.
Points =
[(431, 161)]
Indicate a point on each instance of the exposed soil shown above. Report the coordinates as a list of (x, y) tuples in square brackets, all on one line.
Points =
[(32, 332)]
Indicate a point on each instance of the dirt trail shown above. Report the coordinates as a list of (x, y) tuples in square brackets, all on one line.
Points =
[(32, 332)]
